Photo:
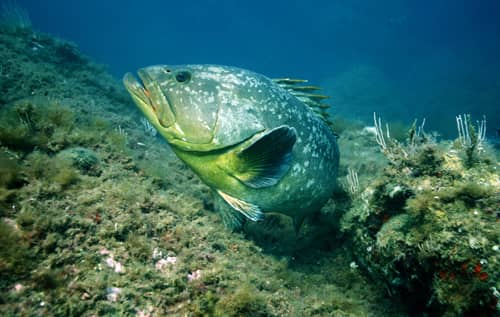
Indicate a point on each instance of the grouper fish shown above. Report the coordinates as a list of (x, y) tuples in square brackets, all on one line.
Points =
[(257, 142)]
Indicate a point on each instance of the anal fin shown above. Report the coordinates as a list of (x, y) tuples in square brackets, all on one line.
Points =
[(231, 218)]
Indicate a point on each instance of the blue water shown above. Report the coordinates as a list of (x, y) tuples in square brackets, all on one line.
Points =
[(403, 59)]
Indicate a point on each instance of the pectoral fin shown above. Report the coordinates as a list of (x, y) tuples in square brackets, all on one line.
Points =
[(250, 211), (264, 162)]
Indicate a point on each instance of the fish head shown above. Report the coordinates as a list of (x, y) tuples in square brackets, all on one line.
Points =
[(184, 103)]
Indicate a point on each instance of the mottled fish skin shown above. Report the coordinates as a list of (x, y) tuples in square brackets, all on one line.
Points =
[(213, 115)]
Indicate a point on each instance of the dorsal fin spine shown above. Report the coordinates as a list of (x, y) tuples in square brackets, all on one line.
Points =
[(305, 93)]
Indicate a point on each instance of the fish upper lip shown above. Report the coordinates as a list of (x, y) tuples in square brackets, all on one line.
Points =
[(143, 77), (142, 80), (156, 99), (136, 87)]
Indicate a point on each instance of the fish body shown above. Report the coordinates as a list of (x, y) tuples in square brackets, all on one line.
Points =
[(255, 143)]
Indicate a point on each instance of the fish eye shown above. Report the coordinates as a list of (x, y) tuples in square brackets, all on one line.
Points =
[(183, 76)]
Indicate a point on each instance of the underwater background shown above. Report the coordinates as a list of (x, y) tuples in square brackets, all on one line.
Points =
[(406, 58), (100, 218)]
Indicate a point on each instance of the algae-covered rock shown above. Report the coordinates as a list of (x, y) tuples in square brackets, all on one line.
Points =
[(427, 230), (85, 160), (244, 301), (36, 122), (9, 169), (16, 260)]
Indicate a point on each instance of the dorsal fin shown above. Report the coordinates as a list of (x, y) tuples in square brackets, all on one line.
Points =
[(305, 93)]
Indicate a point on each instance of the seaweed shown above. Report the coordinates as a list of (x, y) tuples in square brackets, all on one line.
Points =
[(10, 179), (245, 301), (425, 229), (16, 259), (36, 123), (83, 159)]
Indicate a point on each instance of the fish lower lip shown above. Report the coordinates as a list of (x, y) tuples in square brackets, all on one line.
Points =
[(148, 95), (143, 86)]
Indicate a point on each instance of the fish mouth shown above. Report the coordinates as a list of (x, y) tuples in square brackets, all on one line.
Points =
[(150, 99)]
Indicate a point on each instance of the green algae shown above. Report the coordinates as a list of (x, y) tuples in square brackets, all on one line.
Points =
[(10, 178), (85, 160), (244, 301), (426, 229), (15, 257)]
